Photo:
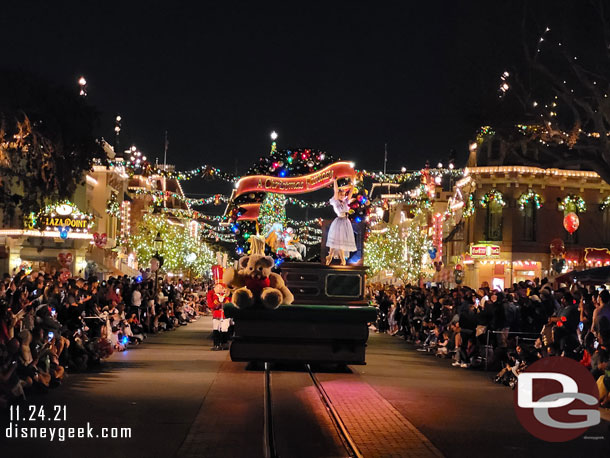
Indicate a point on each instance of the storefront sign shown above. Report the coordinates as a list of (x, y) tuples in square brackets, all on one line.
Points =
[(64, 222), (62, 216), (485, 251)]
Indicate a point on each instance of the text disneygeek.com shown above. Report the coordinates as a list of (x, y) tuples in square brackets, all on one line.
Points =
[(61, 433), (25, 423)]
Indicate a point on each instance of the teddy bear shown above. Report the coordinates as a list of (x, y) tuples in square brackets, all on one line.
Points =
[(254, 284)]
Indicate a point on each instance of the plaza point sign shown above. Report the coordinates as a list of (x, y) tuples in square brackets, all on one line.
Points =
[(290, 185), (61, 216)]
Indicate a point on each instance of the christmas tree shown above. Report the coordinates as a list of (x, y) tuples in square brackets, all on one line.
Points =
[(272, 210)]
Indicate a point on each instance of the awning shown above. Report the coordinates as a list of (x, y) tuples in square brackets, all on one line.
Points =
[(597, 276)]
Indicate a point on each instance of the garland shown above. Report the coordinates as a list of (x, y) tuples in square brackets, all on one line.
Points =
[(408, 176), (113, 207), (492, 196), (572, 201), (527, 197), (604, 204), (283, 163), (306, 204), (216, 199), (469, 207)]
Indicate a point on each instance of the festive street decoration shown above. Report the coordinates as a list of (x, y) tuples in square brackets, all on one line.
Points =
[(65, 259), (418, 243), (604, 204), (306, 204), (216, 199), (146, 169), (177, 248), (571, 222), (288, 162), (272, 211), (572, 204), (100, 240), (385, 251), (527, 197), (469, 207), (557, 247), (295, 184), (411, 176), (62, 216), (113, 207), (492, 196)]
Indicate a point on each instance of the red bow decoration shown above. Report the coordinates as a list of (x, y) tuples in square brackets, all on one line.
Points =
[(65, 259), (100, 240)]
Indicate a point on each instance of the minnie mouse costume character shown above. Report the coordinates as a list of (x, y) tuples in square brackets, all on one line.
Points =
[(216, 297)]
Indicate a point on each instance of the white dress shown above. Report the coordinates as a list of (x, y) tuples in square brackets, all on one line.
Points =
[(340, 233)]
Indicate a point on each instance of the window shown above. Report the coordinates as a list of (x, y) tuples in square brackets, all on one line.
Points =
[(529, 221), (494, 221)]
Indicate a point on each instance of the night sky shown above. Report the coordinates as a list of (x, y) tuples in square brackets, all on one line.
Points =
[(341, 77)]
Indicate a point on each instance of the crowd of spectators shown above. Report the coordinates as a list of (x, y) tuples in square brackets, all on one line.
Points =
[(50, 324), (504, 330)]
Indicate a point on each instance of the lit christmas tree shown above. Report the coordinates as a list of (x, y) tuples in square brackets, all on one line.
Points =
[(272, 210), (181, 252)]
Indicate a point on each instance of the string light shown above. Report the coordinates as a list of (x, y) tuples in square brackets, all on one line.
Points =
[(572, 203), (82, 84), (492, 196), (527, 197)]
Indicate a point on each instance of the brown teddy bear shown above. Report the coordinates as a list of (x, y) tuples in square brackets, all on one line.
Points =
[(254, 283)]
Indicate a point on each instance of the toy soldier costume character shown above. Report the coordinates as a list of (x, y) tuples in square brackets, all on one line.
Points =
[(217, 297)]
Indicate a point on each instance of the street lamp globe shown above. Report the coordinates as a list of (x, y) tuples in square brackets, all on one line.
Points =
[(158, 243)]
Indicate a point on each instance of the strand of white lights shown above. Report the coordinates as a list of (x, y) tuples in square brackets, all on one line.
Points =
[(542, 39), (504, 86)]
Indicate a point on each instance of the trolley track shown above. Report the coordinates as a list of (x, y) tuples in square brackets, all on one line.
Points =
[(314, 404)]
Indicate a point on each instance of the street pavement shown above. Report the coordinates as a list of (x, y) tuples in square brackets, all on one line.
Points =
[(461, 411), (181, 399), (156, 389)]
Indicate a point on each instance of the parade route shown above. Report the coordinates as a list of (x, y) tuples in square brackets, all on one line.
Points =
[(181, 399), (156, 389)]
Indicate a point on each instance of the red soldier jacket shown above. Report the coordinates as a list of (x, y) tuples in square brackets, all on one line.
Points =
[(215, 304)]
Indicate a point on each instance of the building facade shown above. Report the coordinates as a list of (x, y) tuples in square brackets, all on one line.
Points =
[(505, 218)]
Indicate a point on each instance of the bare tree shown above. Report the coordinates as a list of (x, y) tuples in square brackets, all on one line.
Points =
[(559, 98), (47, 142)]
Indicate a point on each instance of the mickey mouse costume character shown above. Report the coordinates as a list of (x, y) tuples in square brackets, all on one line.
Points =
[(216, 298)]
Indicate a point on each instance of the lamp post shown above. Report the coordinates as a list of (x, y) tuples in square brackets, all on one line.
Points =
[(157, 261)]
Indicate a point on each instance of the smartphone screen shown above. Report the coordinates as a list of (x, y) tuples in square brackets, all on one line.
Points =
[(50, 336)]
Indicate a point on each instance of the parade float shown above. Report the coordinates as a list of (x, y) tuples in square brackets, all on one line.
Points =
[(327, 319)]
